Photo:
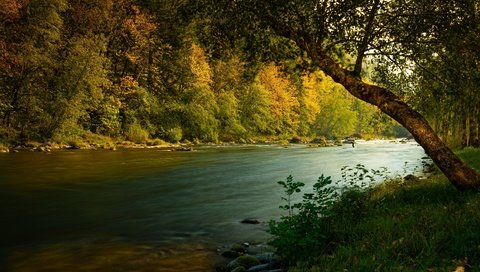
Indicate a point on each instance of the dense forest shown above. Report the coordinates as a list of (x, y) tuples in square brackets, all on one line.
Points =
[(136, 69)]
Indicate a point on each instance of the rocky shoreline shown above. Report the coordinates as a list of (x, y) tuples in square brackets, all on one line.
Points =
[(113, 145), (49, 147), (247, 257)]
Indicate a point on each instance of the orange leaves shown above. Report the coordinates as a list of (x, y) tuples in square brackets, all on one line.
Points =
[(9, 11)]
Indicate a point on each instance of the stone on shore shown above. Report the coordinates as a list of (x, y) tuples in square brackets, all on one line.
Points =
[(235, 251)]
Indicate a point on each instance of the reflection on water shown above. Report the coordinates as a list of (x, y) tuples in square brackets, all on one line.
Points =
[(113, 256), (53, 204)]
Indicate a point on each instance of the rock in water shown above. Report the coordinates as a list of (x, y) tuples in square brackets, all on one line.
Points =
[(251, 221), (235, 251)]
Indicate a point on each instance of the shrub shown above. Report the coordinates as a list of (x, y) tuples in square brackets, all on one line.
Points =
[(320, 140), (4, 148), (175, 134), (136, 134), (307, 231), (300, 236)]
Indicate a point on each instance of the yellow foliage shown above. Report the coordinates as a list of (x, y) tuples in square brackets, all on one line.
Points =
[(199, 65), (311, 97), (283, 103)]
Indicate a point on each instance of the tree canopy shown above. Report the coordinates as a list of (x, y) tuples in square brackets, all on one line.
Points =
[(399, 38)]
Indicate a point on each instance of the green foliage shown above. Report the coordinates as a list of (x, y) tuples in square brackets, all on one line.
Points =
[(136, 133), (306, 232), (72, 67), (254, 108), (358, 177), (291, 188), (403, 227), (393, 226), (174, 135), (300, 236)]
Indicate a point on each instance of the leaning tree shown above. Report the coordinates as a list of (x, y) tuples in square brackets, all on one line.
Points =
[(340, 36)]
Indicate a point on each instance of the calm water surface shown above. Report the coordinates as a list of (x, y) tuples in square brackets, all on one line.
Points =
[(155, 210)]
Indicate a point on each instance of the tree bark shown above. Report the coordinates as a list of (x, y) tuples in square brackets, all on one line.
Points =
[(459, 173)]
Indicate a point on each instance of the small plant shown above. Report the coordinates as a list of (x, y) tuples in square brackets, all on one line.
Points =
[(306, 231), (301, 236), (358, 177), (290, 188)]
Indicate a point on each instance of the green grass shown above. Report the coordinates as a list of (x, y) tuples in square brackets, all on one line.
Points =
[(425, 226), (471, 156)]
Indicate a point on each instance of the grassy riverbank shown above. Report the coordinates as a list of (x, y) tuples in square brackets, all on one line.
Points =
[(400, 226)]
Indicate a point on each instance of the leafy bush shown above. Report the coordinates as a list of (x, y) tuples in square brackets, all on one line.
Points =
[(307, 231), (320, 140), (174, 135), (300, 236), (136, 133)]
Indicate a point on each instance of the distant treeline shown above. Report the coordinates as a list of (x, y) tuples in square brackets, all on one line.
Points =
[(135, 70)]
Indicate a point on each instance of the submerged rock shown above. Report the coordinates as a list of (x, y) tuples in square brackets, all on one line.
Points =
[(235, 251), (252, 221)]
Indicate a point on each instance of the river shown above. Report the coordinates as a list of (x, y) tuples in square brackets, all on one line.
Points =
[(156, 210)]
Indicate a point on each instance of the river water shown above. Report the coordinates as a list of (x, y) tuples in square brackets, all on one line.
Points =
[(156, 210)]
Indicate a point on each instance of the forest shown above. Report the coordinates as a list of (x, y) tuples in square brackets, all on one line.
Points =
[(134, 70), (209, 71)]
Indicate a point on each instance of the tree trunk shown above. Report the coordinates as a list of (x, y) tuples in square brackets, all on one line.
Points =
[(460, 174)]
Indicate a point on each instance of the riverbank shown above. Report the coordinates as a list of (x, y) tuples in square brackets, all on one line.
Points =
[(92, 141), (403, 226)]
